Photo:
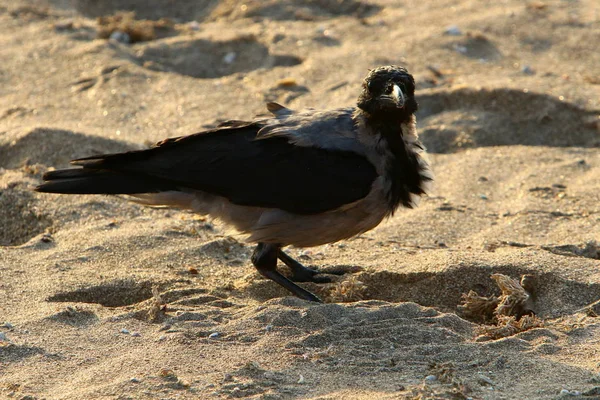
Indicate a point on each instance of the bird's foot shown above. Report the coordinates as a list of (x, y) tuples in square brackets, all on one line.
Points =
[(264, 259), (306, 274), (301, 273)]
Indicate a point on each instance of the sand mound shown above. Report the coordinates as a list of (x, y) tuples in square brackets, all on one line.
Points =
[(185, 10), (20, 216), (202, 58), (53, 147), (466, 118), (294, 9), (111, 294), (188, 10)]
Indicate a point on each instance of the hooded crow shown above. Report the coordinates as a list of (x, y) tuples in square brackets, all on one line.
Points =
[(294, 178)]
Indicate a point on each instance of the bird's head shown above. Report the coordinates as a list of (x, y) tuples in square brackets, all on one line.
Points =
[(389, 93)]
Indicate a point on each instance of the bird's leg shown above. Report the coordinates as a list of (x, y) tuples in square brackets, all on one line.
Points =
[(264, 259), (300, 273)]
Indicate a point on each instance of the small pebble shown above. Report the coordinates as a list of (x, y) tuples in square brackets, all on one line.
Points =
[(460, 48), (287, 82), (64, 25), (566, 392), (430, 378), (3, 337), (136, 334), (134, 380), (453, 30), (162, 338), (306, 254), (483, 197), (125, 331), (7, 325), (47, 238), (214, 335), (301, 380), (194, 25), (120, 37), (278, 37), (269, 328), (229, 58), (527, 70), (168, 374), (484, 380)]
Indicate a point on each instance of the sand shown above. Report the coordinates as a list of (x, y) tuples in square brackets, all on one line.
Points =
[(104, 299)]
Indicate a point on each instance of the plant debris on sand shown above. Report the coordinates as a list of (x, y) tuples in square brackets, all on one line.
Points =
[(137, 30), (504, 315)]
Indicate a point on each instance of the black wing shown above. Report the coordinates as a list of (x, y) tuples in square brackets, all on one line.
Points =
[(229, 162)]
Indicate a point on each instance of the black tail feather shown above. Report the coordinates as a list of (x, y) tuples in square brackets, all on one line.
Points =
[(88, 181), (69, 174)]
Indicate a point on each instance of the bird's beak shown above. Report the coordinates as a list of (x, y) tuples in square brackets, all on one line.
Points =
[(394, 99), (398, 96)]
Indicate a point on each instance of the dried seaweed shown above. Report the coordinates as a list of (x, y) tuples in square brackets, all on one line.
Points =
[(347, 291), (137, 30), (504, 315)]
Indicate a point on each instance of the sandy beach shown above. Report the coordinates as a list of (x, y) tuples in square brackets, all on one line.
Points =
[(101, 298)]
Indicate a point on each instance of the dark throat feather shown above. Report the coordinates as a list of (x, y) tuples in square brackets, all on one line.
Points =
[(402, 168)]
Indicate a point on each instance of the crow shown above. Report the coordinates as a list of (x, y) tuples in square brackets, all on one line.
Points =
[(301, 178)]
